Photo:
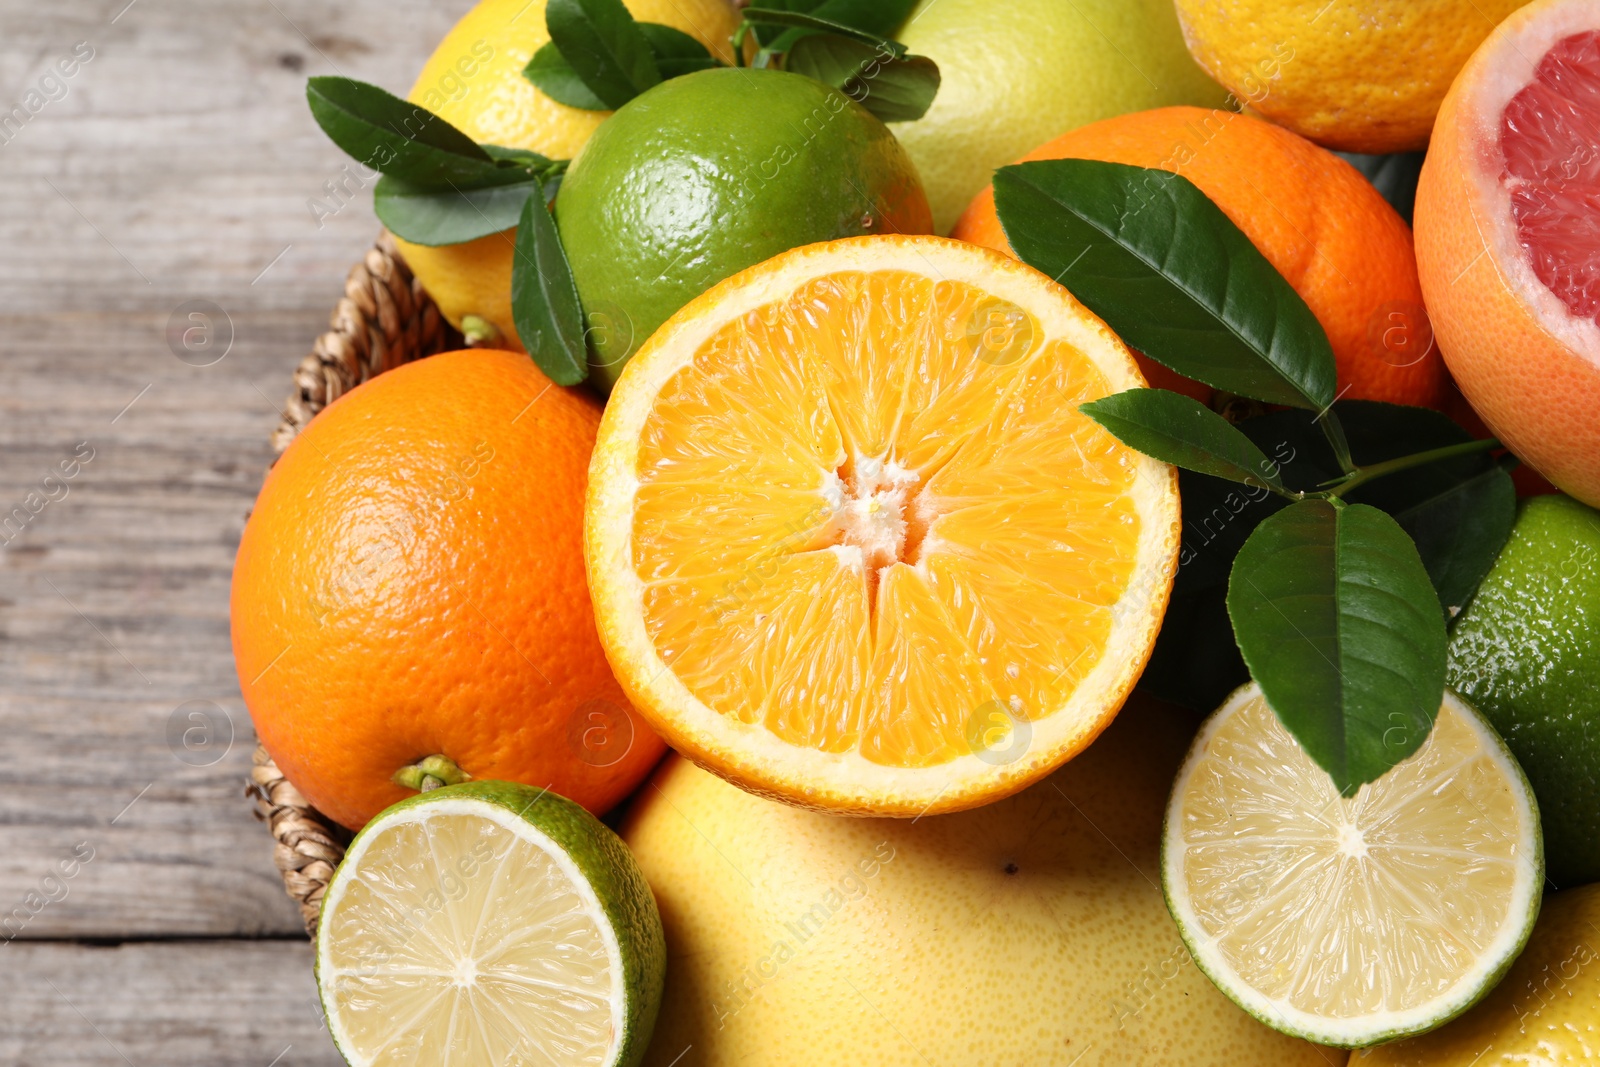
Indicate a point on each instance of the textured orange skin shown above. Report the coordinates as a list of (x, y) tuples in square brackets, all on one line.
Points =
[(1316, 219), (411, 583), (1538, 395)]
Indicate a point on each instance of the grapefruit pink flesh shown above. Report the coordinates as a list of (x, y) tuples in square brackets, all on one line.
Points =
[(1550, 141)]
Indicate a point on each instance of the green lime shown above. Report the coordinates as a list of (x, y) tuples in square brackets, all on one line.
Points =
[(488, 924), (1526, 651), (707, 174)]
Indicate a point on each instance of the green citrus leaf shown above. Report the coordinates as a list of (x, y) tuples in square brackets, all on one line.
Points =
[(880, 18), (1182, 431), (676, 52), (604, 47), (398, 138), (894, 89), (818, 21), (433, 217), (548, 171), (552, 75), (1170, 273), (544, 298), (1189, 666), (1460, 532), (1337, 620), (429, 217)]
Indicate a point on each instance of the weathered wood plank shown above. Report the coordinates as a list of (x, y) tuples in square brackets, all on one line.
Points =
[(207, 1004), (175, 167), (181, 158)]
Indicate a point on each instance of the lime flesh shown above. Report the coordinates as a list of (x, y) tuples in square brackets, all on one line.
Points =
[(1351, 921), (489, 924)]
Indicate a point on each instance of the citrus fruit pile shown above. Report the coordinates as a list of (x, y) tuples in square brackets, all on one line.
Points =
[(893, 539)]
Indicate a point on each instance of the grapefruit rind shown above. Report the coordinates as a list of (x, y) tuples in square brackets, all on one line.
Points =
[(1520, 911), (846, 782), (1528, 366)]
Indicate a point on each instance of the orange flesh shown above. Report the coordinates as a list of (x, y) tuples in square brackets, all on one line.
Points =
[(871, 518)]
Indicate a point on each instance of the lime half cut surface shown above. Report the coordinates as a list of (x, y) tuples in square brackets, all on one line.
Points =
[(1351, 921), (489, 925)]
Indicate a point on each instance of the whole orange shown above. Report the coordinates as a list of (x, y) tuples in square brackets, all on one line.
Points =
[(1315, 218), (1507, 238), (411, 585)]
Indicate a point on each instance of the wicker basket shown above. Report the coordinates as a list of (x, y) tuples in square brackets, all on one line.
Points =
[(384, 319)]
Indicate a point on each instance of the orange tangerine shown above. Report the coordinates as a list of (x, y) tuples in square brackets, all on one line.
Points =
[(1316, 219)]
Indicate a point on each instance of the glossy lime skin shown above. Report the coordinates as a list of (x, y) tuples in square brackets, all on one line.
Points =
[(710, 173), (1526, 652)]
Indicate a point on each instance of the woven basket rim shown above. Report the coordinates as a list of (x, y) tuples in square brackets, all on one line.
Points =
[(385, 318)]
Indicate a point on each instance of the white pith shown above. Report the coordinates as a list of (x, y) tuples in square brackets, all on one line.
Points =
[(463, 969)]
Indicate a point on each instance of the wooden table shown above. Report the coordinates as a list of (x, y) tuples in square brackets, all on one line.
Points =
[(141, 919)]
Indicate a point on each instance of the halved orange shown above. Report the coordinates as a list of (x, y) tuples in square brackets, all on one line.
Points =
[(851, 543)]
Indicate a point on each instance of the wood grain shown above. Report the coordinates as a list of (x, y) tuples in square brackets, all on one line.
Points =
[(178, 1004), (177, 167), (174, 165)]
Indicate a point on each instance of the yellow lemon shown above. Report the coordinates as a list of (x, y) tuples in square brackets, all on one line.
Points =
[(1355, 75)]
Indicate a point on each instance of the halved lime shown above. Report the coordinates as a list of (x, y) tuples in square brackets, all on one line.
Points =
[(1350, 921), (489, 925)]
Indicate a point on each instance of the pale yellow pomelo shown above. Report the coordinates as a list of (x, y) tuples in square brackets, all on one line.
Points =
[(1031, 931), (1017, 74), (474, 81)]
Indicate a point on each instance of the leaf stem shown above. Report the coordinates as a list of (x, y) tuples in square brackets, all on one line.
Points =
[(1362, 475), (737, 40), (1333, 430)]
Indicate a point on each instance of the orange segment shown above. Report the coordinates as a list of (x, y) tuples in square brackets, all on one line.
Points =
[(851, 542)]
